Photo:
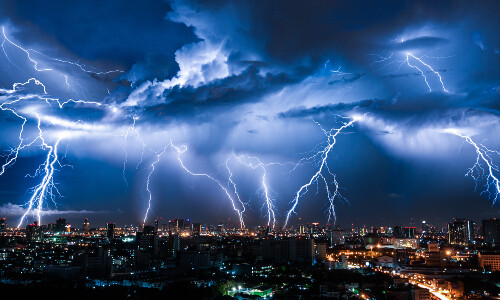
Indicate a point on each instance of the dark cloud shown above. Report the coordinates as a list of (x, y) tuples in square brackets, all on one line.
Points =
[(187, 102), (250, 77), (122, 34)]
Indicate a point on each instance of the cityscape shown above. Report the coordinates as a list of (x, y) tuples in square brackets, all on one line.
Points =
[(263, 149), (185, 259)]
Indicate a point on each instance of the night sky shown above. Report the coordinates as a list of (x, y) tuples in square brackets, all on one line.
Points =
[(137, 90)]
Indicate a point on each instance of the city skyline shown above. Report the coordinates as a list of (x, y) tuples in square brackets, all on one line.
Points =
[(251, 112)]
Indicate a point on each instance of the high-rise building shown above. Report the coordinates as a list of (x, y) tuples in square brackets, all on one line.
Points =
[(337, 237), (196, 229), (86, 226), (3, 224), (409, 232), (178, 225), (426, 228), (157, 226), (174, 245), (460, 232), (491, 231), (398, 232), (147, 245), (289, 250), (60, 225), (110, 230), (33, 232)]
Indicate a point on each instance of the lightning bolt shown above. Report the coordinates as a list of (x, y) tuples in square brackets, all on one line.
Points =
[(484, 168), (323, 167), (35, 63), (413, 62), (129, 130), (408, 55), (180, 150), (153, 165), (46, 189), (255, 163)]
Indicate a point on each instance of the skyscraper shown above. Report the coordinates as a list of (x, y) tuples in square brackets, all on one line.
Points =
[(3, 225), (110, 230), (196, 229), (86, 226), (147, 245), (460, 232), (60, 225), (491, 231)]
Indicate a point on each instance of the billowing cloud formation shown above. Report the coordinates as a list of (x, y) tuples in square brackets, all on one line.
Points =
[(10, 210), (123, 92)]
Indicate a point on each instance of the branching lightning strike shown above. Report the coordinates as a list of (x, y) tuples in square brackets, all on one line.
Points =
[(255, 163), (323, 167), (10, 97), (484, 169)]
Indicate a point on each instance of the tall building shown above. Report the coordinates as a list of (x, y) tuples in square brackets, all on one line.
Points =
[(157, 226), (174, 245), (491, 231), (409, 232), (196, 229), (425, 228), (337, 237), (60, 225), (86, 226), (110, 230), (290, 250), (398, 232), (3, 225), (178, 225), (460, 232), (147, 246), (34, 232)]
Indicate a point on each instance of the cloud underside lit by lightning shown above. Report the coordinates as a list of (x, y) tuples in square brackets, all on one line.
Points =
[(11, 99), (13, 102)]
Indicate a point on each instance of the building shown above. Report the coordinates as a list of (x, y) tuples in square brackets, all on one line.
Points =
[(421, 294), (110, 230), (147, 246), (178, 225), (289, 250), (3, 225), (489, 261), (320, 252), (409, 232), (426, 228), (398, 232), (33, 232), (97, 262), (86, 226), (201, 259), (60, 225), (433, 255), (491, 231), (337, 237), (460, 232), (405, 243), (196, 229)]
